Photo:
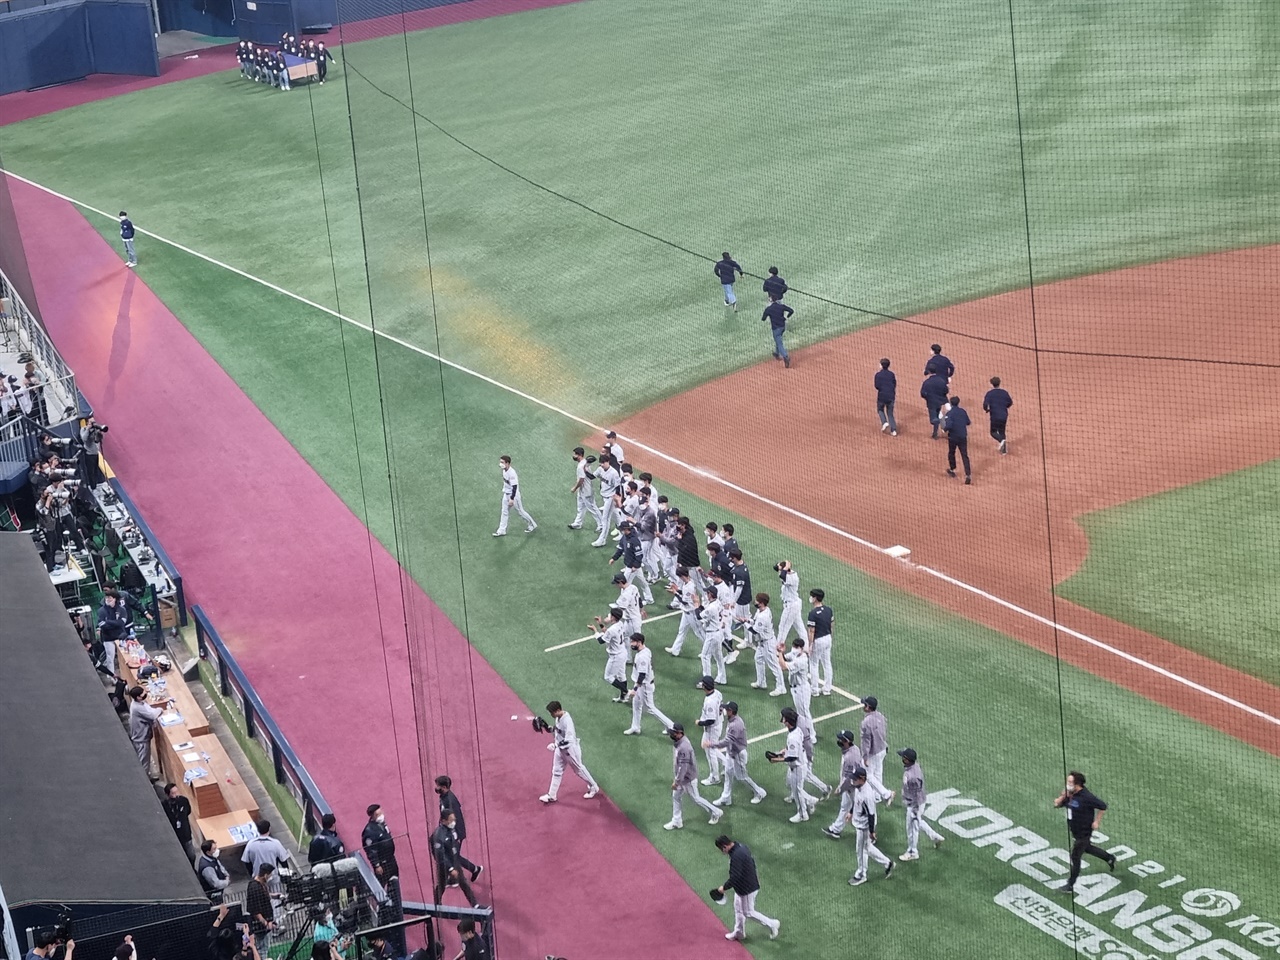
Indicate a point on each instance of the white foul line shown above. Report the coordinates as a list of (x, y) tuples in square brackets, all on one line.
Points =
[(591, 636), (782, 730), (783, 508)]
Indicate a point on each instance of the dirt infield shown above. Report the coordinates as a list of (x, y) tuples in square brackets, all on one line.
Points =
[(1118, 427)]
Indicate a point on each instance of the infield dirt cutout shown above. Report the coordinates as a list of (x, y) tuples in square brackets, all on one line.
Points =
[(1119, 424)]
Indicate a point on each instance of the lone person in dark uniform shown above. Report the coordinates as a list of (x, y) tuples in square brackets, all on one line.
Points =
[(323, 58), (1084, 815), (126, 236), (939, 364), (997, 403), (957, 427), (774, 286), (379, 845), (886, 383), (934, 391), (777, 313), (727, 270), (326, 846)]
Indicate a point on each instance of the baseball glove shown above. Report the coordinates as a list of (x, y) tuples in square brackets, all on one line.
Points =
[(771, 755), (716, 895), (540, 725)]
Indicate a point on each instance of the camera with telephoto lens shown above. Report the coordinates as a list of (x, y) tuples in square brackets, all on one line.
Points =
[(50, 440), (65, 472), (96, 430)]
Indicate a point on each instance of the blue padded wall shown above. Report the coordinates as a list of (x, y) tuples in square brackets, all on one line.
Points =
[(121, 38)]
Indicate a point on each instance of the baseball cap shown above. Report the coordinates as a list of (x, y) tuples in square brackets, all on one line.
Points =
[(625, 525), (730, 705), (871, 702), (906, 753), (706, 683), (846, 735), (859, 772), (676, 728), (619, 578)]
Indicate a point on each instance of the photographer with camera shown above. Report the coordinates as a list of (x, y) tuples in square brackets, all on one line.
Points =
[(51, 446), (91, 433), (47, 944), (33, 384), (54, 509)]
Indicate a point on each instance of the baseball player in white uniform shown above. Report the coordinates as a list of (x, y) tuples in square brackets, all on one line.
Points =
[(582, 490), (793, 756), (792, 618), (712, 723), (609, 478), (511, 498), (913, 798), (612, 633), (850, 760), (712, 620), (642, 679), (684, 781), (566, 749), (796, 664), (735, 746), (759, 629), (863, 817), (629, 603), (686, 597), (875, 745)]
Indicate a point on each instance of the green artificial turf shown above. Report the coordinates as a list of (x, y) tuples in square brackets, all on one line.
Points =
[(1195, 566), (871, 152)]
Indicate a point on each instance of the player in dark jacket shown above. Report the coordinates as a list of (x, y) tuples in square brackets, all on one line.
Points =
[(957, 427), (934, 391), (727, 271), (997, 403)]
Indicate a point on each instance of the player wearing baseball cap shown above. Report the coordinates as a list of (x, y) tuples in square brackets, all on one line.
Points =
[(566, 750), (850, 762), (863, 817), (913, 797), (684, 780), (712, 723), (642, 679), (735, 746)]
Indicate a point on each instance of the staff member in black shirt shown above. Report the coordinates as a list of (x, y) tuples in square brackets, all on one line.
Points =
[(886, 384), (774, 286), (178, 809), (474, 945), (378, 844), (997, 403), (745, 884), (777, 313), (934, 392), (957, 427), (449, 802), (323, 58), (939, 364), (1084, 815), (257, 903), (444, 847), (727, 271), (326, 845)]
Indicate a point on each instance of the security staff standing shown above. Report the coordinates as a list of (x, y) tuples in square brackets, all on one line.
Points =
[(323, 59), (379, 846), (126, 236), (1084, 815), (326, 846)]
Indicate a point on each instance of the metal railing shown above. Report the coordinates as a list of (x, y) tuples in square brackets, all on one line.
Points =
[(61, 398)]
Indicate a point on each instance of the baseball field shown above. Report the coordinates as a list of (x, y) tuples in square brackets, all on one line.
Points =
[(496, 237)]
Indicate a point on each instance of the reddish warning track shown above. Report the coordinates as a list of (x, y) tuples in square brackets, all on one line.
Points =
[(1116, 428), (294, 583)]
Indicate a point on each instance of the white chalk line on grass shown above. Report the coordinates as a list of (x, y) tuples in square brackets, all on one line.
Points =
[(782, 730), (592, 636), (698, 471)]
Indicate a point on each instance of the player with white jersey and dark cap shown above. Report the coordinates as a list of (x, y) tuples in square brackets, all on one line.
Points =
[(613, 634), (792, 618), (863, 817), (684, 780), (875, 744), (566, 750), (913, 798), (686, 599), (712, 723), (735, 746), (610, 479), (641, 693), (581, 489), (712, 619), (759, 630), (629, 603), (850, 761), (796, 665), (793, 756), (511, 498)]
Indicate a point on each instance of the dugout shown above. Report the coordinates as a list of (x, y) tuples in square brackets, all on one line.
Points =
[(82, 832)]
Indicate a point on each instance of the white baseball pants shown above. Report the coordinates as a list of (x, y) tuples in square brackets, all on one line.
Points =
[(875, 773), (506, 508), (586, 506), (641, 703), (736, 769), (635, 575), (572, 757), (688, 624), (767, 659), (846, 804), (677, 799), (916, 823), (712, 656), (867, 849), (792, 618), (795, 783), (820, 661), (744, 907)]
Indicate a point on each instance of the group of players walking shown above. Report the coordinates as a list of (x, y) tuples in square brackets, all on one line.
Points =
[(711, 591)]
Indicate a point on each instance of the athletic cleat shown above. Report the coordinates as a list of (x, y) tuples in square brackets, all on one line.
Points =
[(672, 651), (594, 543), (909, 856), (547, 798), (722, 802), (672, 825), (1111, 864), (777, 928), (630, 732), (715, 817), (530, 528), (759, 796), (775, 355), (733, 936), (1064, 888), (591, 793), (893, 433), (786, 362), (777, 693), (951, 473), (831, 833), (826, 792), (968, 480), (475, 874), (619, 699), (757, 686), (798, 819), (709, 781), (499, 533), (857, 881), (575, 526), (1004, 447), (884, 427), (733, 657), (888, 871)]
